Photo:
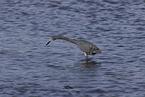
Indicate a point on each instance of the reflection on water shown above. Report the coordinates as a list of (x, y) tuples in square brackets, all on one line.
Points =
[(87, 64)]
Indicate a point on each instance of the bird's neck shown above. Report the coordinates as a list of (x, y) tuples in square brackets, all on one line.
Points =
[(67, 39)]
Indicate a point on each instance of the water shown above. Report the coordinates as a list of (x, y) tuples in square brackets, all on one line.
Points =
[(30, 69)]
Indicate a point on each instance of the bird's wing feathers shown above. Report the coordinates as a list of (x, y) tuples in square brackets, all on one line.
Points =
[(84, 46), (88, 47)]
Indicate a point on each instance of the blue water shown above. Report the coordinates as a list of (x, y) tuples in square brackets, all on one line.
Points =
[(31, 69)]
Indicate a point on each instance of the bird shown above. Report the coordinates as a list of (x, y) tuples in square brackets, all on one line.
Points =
[(85, 46)]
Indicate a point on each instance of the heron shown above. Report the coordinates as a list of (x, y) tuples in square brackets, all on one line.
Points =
[(85, 46)]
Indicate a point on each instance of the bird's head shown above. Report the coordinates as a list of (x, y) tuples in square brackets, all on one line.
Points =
[(54, 37)]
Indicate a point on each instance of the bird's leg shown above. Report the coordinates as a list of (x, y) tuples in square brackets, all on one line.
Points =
[(86, 55)]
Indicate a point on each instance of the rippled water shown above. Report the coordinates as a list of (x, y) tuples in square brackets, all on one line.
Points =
[(30, 69)]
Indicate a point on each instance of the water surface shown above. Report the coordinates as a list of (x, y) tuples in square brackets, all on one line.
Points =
[(29, 68)]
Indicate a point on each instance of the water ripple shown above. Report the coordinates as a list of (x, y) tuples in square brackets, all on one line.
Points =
[(29, 68)]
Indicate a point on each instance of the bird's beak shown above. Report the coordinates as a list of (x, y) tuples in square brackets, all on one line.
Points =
[(48, 43)]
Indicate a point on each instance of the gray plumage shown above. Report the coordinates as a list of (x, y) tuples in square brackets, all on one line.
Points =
[(87, 47)]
